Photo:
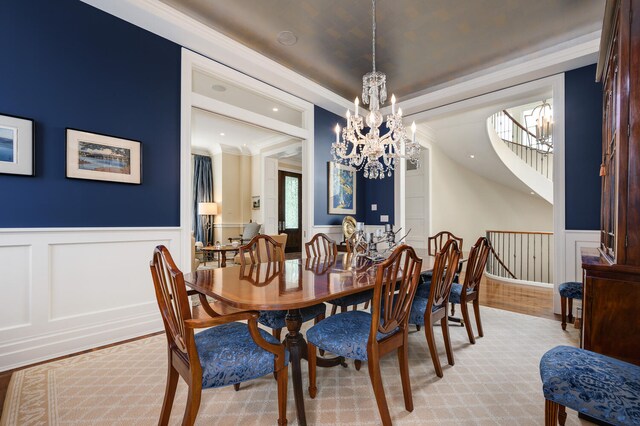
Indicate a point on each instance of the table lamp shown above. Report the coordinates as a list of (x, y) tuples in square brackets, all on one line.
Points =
[(207, 210)]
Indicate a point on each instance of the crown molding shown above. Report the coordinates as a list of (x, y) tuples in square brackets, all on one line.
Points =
[(169, 23), (572, 54)]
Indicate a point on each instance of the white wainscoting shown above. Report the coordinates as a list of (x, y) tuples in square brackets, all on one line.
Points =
[(67, 290), (574, 241)]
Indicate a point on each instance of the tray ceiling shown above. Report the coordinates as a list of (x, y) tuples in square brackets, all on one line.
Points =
[(420, 44)]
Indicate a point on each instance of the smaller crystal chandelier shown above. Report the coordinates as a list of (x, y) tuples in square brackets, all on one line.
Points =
[(373, 152)]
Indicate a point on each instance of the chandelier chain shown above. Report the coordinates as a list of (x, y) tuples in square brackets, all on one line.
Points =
[(373, 26)]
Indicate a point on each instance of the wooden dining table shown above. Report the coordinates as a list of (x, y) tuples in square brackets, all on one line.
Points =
[(291, 285)]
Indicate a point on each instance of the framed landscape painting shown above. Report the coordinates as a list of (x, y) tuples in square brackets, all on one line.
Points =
[(16, 145), (342, 189), (100, 157)]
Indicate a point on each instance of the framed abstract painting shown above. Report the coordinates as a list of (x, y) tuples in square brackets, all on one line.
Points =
[(100, 157), (16, 145), (342, 189)]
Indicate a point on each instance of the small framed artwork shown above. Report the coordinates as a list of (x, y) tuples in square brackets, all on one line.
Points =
[(342, 189), (255, 203), (16, 145), (100, 157)]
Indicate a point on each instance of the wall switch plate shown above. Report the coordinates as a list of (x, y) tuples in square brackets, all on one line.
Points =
[(384, 218), (374, 207)]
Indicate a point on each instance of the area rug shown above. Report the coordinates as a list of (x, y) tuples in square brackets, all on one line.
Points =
[(494, 382)]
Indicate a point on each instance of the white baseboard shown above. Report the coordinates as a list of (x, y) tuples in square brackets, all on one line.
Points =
[(67, 290)]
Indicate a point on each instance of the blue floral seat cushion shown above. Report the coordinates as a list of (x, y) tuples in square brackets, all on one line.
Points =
[(418, 308), (590, 383), (353, 299), (276, 319), (424, 286), (456, 292), (345, 334), (571, 290), (228, 355)]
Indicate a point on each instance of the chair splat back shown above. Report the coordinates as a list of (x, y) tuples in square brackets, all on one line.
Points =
[(321, 245), (261, 248), (396, 283), (476, 264), (437, 242), (171, 294), (444, 270)]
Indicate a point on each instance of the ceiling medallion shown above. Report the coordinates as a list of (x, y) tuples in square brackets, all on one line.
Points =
[(373, 152)]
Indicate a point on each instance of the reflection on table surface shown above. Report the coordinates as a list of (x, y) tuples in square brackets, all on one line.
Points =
[(289, 284)]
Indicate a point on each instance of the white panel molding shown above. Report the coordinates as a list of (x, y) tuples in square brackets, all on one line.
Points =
[(84, 317)]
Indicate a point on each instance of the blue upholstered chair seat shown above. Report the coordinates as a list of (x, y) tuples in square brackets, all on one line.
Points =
[(571, 290), (418, 308), (353, 299), (601, 387), (275, 319), (424, 287), (345, 334), (456, 292), (228, 355)]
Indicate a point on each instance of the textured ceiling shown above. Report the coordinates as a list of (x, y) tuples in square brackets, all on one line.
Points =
[(420, 43)]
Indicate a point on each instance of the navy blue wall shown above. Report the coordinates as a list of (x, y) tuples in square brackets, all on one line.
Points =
[(324, 135), (380, 192), (583, 148), (72, 65)]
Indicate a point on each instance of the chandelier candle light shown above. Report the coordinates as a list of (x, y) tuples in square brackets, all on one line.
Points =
[(375, 153)]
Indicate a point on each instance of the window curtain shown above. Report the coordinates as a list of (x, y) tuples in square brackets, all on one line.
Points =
[(202, 193)]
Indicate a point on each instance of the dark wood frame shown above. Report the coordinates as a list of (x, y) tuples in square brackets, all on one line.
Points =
[(274, 250), (437, 242), (395, 315), (321, 245), (474, 272), (183, 360), (444, 271)]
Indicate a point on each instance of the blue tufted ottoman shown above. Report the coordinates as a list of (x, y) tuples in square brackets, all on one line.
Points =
[(569, 291), (596, 385)]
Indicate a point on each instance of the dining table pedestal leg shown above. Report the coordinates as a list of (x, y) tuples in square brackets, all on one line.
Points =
[(297, 350)]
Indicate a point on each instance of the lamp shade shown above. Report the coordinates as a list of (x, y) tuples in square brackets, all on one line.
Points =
[(207, 208)]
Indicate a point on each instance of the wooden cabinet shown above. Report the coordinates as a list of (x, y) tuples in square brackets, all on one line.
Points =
[(611, 299)]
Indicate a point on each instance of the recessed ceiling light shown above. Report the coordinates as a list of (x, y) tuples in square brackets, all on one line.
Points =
[(287, 38), (218, 88), (221, 134), (533, 193), (472, 156), (274, 109), (244, 144)]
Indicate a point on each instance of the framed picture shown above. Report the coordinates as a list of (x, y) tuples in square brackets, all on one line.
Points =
[(342, 189), (16, 145), (100, 157), (255, 202)]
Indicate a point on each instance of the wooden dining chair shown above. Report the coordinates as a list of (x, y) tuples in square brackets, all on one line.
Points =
[(437, 242), (369, 336), (202, 359), (263, 248), (469, 290), (427, 311), (434, 245), (321, 246)]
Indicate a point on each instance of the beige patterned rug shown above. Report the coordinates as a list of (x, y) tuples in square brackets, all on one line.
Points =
[(493, 382)]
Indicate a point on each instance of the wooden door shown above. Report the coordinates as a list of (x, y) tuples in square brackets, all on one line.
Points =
[(290, 209)]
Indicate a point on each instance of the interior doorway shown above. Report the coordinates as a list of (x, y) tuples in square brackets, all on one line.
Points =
[(290, 209)]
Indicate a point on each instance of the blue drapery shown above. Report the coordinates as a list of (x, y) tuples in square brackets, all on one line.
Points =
[(202, 193)]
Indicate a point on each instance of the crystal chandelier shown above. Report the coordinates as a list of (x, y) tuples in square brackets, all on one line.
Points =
[(375, 153)]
